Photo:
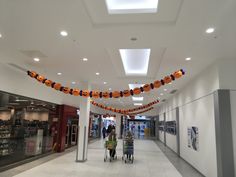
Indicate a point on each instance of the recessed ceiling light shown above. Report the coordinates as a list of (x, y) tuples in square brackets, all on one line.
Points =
[(109, 88), (137, 98), (131, 6), (170, 83), (97, 74), (105, 82), (138, 104), (135, 61), (161, 94), (59, 74), (0, 35), (165, 89), (188, 59), (73, 82), (85, 59), (64, 33), (210, 30), (36, 59)]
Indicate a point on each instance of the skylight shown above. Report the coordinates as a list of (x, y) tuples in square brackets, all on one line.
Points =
[(137, 98), (131, 6), (135, 61), (132, 86)]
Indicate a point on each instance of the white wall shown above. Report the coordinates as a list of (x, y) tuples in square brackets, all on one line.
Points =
[(200, 114), (233, 115), (161, 133), (196, 109), (171, 140)]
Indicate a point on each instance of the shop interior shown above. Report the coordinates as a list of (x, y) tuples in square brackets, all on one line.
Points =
[(28, 128)]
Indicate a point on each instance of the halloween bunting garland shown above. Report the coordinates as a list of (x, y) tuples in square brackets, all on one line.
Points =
[(140, 112), (98, 94), (124, 111)]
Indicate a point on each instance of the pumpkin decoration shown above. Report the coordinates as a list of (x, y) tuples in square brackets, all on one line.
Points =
[(48, 83), (85, 93), (147, 87), (66, 90), (32, 74), (40, 78), (137, 91), (95, 94), (126, 93), (177, 74), (157, 84), (167, 79), (105, 95), (116, 94), (57, 86)]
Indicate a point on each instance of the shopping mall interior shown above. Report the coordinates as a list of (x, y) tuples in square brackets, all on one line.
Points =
[(117, 88)]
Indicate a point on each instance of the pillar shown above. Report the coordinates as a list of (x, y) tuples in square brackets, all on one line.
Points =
[(82, 145), (118, 126)]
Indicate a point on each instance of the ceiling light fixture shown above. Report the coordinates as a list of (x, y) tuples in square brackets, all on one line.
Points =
[(97, 74), (210, 30), (64, 33), (165, 89), (59, 74), (73, 82), (131, 6), (85, 59), (188, 59), (105, 82), (137, 98), (0, 35), (161, 94), (36, 59), (135, 61), (109, 88), (138, 104)]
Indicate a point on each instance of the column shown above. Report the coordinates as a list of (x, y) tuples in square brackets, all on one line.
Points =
[(118, 125), (82, 145)]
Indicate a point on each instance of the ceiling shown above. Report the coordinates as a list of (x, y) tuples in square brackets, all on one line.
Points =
[(32, 28)]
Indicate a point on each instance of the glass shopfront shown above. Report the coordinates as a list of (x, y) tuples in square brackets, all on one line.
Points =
[(28, 128)]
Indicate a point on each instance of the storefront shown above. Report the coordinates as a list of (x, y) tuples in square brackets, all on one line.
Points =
[(94, 126), (28, 128)]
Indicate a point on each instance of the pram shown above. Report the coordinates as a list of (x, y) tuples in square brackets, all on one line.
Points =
[(110, 146), (128, 150)]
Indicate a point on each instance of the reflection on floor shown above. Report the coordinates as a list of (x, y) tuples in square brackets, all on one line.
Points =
[(149, 161)]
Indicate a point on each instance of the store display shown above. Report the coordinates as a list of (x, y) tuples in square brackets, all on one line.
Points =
[(171, 127), (193, 138), (6, 145), (161, 126)]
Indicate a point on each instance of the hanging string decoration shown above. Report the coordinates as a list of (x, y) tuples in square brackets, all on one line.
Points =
[(124, 111), (140, 112), (99, 94)]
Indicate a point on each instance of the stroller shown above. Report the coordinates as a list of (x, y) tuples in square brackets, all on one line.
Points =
[(111, 147), (128, 150)]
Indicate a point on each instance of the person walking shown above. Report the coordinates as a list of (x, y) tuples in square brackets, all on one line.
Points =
[(104, 130)]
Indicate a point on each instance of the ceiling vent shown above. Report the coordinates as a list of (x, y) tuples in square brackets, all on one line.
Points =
[(33, 53), (164, 100), (173, 91), (17, 67)]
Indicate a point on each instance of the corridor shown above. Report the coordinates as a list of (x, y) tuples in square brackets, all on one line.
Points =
[(149, 161)]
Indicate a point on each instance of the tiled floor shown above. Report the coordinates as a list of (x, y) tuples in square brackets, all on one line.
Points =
[(149, 161)]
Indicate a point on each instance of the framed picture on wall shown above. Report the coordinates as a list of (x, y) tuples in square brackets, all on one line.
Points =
[(193, 138)]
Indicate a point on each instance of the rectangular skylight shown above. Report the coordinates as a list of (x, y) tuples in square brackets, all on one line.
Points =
[(131, 6), (132, 86), (137, 98), (135, 61), (138, 104)]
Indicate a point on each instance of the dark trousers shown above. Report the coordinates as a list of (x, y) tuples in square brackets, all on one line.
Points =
[(112, 152)]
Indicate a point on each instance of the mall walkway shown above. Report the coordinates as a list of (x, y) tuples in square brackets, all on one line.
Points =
[(149, 161)]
